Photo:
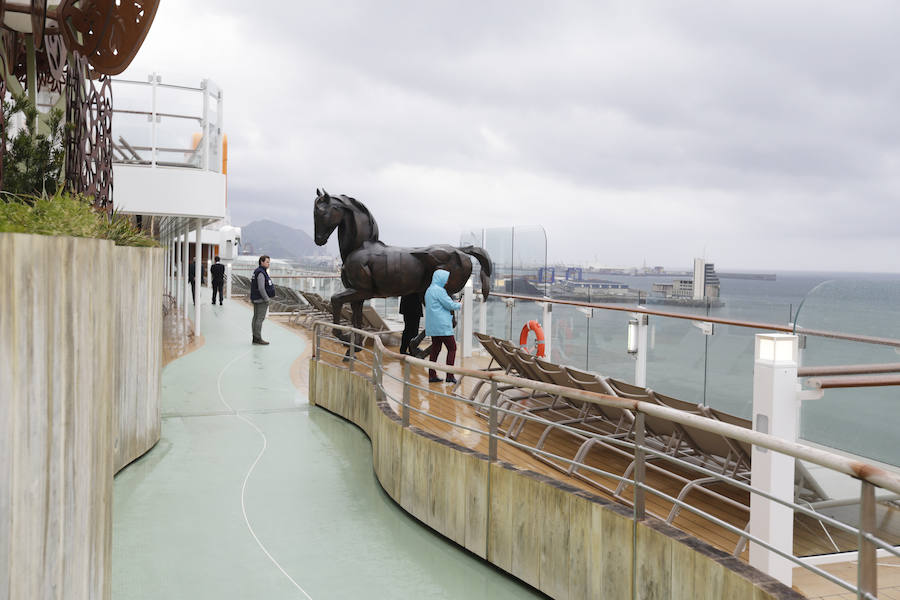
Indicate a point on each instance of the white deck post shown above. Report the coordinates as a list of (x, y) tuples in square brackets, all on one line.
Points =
[(482, 316), (467, 315), (165, 244), (169, 262), (228, 279), (198, 272), (547, 326), (154, 118), (176, 287), (776, 412), (204, 85), (640, 364), (185, 259)]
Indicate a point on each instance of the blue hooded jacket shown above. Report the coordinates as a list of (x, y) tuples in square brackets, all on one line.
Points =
[(438, 320)]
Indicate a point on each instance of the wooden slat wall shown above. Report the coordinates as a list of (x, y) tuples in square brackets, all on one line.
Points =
[(138, 283), (61, 344)]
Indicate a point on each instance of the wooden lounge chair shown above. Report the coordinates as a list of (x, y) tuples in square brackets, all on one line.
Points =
[(500, 361)]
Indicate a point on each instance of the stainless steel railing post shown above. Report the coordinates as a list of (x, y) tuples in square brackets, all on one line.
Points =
[(404, 410), (492, 424), (867, 568), (352, 350), (377, 373), (317, 341), (639, 466)]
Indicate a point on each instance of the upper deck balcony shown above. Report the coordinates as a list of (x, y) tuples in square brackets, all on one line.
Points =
[(170, 152)]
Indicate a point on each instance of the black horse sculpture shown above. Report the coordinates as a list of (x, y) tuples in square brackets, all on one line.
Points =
[(374, 270)]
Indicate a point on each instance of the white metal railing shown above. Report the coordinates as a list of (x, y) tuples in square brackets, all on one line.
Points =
[(191, 131), (645, 454), (672, 345)]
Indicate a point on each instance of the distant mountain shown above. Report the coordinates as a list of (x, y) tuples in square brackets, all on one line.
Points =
[(278, 241)]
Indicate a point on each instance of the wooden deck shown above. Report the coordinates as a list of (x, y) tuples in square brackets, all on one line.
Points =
[(809, 536)]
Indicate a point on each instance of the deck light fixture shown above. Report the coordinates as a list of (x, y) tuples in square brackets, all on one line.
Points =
[(776, 348), (632, 344)]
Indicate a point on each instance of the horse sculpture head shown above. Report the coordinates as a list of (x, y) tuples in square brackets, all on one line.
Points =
[(327, 215)]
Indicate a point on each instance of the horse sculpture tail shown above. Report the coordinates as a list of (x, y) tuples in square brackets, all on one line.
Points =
[(485, 261)]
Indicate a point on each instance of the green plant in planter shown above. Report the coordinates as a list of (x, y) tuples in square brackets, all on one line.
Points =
[(66, 214), (34, 157)]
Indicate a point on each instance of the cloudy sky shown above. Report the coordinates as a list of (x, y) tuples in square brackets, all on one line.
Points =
[(762, 135)]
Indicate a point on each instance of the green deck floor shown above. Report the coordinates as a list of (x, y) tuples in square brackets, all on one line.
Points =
[(312, 499)]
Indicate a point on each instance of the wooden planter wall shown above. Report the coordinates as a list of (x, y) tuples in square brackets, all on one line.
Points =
[(80, 365)]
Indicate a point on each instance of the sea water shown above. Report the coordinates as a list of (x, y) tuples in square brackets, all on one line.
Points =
[(717, 370)]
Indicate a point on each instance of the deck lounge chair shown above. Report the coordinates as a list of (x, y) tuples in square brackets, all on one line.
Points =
[(240, 285), (500, 361), (506, 356), (373, 321), (555, 407)]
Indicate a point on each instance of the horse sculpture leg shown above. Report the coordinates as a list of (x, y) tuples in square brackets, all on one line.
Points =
[(357, 307), (337, 303)]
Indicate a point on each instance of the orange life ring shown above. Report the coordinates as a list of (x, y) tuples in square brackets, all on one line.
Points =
[(539, 334)]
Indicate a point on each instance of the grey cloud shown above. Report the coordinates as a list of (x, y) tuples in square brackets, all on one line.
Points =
[(752, 122)]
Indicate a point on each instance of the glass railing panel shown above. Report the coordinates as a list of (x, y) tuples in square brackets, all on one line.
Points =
[(569, 337), (863, 421), (523, 312), (675, 360), (473, 237), (607, 344), (530, 274), (498, 242), (729, 369), (498, 318)]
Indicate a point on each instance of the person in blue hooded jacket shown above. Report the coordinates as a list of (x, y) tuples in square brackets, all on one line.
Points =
[(439, 322)]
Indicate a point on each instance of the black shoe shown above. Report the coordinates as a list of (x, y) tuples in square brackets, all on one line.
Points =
[(220, 304), (261, 342), (450, 379), (435, 380)]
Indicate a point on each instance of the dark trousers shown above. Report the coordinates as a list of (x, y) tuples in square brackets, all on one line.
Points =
[(410, 329), (191, 281), (436, 342), (217, 287), (259, 315)]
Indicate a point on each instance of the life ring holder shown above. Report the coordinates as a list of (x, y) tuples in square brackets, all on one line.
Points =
[(539, 334)]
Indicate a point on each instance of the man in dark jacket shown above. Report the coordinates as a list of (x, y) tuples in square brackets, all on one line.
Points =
[(217, 272), (191, 273), (411, 309), (262, 290)]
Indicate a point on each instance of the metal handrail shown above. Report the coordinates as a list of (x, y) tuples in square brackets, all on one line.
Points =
[(149, 113), (854, 381), (706, 319), (860, 470), (207, 150), (160, 84), (849, 369), (870, 475), (304, 276)]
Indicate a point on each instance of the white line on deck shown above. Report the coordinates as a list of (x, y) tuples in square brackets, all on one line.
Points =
[(253, 466)]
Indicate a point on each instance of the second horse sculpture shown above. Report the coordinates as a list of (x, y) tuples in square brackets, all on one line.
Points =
[(374, 270)]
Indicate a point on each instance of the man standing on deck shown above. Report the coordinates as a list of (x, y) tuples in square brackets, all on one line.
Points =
[(217, 272), (261, 290), (191, 273)]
